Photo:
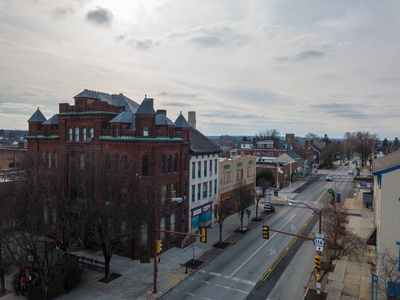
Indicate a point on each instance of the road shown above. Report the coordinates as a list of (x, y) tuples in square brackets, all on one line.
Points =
[(255, 268)]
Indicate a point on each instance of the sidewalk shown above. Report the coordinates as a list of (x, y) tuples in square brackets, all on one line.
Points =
[(136, 281)]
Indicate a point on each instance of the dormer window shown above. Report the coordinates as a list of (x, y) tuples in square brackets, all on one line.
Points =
[(145, 130), (116, 132)]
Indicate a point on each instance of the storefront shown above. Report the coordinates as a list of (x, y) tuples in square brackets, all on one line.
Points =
[(201, 217)]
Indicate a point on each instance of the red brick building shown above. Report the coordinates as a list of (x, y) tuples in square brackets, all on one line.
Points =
[(311, 152), (263, 148), (122, 135)]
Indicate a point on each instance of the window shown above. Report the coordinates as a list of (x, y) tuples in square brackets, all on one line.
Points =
[(239, 174), (271, 154), (54, 218), (185, 163), (144, 234), (216, 166), (199, 191), (162, 227), (210, 189), (215, 186), (163, 165), (82, 161), (116, 132), (176, 163), (204, 190), (145, 130), (193, 170), (205, 169), (70, 134), (169, 163), (173, 189), (124, 165), (145, 165), (210, 167), (55, 155), (76, 134), (108, 164), (185, 185), (45, 214), (91, 133), (116, 164), (163, 193), (172, 222), (84, 134), (49, 160), (193, 193), (199, 169)]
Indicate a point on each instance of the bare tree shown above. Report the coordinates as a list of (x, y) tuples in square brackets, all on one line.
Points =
[(362, 143), (243, 200), (268, 134), (312, 136), (339, 240), (389, 275), (333, 148), (264, 179), (224, 209)]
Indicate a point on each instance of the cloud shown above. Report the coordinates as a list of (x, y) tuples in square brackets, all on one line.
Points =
[(62, 12), (207, 41), (120, 37), (143, 44), (177, 95), (177, 104), (100, 16), (302, 56)]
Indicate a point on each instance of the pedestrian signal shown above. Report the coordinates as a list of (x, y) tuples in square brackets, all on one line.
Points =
[(203, 239), (266, 232), (317, 264), (159, 246)]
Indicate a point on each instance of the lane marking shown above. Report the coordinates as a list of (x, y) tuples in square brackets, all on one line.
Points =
[(266, 274), (261, 246), (324, 192), (236, 279)]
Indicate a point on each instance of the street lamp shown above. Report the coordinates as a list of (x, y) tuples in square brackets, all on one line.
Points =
[(291, 202), (156, 206)]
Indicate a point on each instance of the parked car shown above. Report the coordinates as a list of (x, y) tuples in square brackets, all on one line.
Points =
[(346, 163), (329, 178), (351, 172)]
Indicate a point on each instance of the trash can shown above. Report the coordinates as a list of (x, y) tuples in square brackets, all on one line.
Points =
[(338, 198)]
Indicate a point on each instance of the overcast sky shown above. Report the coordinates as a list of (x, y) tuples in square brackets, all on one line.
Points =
[(243, 66)]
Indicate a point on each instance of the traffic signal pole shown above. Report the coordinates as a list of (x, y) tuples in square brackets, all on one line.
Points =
[(156, 230)]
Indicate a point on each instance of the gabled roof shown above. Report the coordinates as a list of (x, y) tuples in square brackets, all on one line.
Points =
[(146, 108), (295, 156), (181, 122), (37, 117), (201, 144), (386, 163), (112, 99), (52, 121), (162, 119), (124, 117)]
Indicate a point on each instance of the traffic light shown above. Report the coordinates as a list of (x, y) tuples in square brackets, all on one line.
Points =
[(159, 246), (266, 232), (203, 239), (317, 264)]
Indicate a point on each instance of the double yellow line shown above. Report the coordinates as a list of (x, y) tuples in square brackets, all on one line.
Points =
[(324, 192), (276, 262)]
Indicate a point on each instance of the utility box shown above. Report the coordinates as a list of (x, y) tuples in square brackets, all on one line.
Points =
[(368, 199)]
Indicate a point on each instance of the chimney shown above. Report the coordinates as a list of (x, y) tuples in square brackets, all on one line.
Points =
[(151, 100), (162, 112), (192, 119)]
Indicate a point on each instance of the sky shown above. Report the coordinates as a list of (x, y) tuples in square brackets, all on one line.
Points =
[(243, 66)]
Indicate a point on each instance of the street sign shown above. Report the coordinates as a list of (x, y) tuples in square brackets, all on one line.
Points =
[(318, 285), (319, 248), (319, 235), (319, 242)]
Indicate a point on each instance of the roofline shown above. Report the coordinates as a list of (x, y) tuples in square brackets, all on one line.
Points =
[(195, 151), (386, 170)]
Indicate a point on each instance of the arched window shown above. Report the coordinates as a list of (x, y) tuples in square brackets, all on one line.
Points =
[(76, 134), (145, 130), (163, 165), (124, 164), (108, 163), (176, 163), (169, 164), (116, 164), (91, 133), (145, 165), (70, 134), (84, 134)]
